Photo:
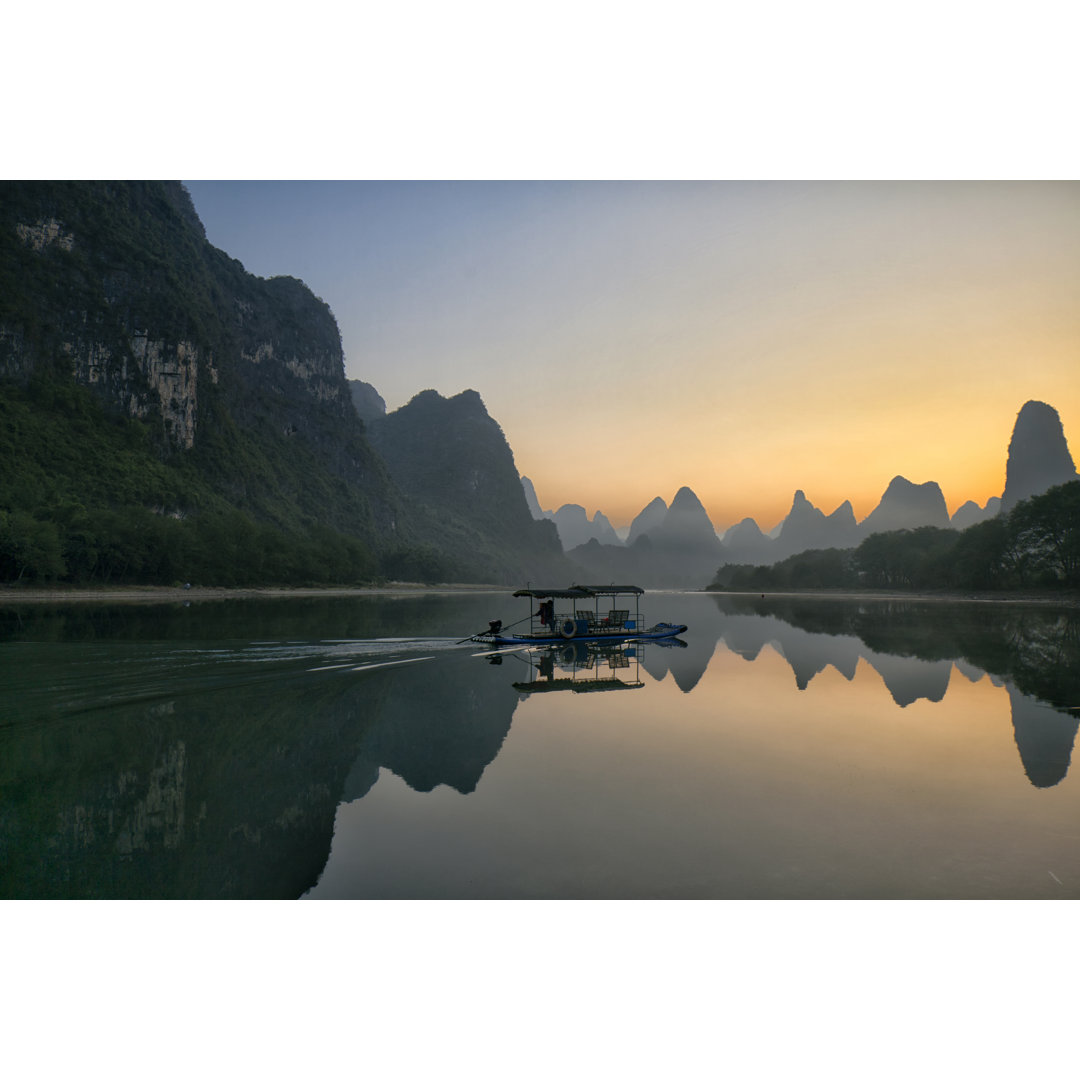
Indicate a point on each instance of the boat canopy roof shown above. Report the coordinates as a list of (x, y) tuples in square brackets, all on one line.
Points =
[(581, 592)]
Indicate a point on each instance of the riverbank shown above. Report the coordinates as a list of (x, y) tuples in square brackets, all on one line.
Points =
[(158, 594), (1045, 597)]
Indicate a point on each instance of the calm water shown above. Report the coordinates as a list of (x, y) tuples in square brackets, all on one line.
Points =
[(350, 748)]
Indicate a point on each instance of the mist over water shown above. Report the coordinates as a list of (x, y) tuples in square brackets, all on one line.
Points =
[(785, 748)]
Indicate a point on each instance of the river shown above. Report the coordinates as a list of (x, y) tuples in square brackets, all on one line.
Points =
[(352, 747)]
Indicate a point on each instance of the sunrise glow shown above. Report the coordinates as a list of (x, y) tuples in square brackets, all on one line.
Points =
[(743, 339)]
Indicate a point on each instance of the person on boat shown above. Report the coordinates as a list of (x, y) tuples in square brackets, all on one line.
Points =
[(547, 613)]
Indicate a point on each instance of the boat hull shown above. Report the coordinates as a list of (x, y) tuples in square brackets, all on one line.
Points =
[(660, 630)]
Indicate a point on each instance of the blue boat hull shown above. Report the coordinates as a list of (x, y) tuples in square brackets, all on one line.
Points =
[(660, 630)]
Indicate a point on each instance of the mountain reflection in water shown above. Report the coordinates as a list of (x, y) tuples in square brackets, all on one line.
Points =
[(354, 748)]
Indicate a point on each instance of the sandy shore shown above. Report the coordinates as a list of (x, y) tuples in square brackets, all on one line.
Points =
[(159, 594)]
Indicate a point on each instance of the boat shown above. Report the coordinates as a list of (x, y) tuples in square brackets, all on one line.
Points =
[(604, 613)]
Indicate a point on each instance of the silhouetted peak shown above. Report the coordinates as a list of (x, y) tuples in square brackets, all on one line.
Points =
[(802, 507), (899, 485), (746, 530), (1039, 457), (531, 499), (575, 528), (971, 513), (466, 401), (685, 501), (844, 514), (471, 398), (688, 527), (651, 517), (425, 397), (908, 506), (367, 401)]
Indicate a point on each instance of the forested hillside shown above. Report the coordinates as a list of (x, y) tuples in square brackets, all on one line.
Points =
[(164, 415)]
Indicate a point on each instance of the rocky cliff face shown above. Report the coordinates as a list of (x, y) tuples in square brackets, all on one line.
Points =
[(1039, 457), (114, 285), (451, 459)]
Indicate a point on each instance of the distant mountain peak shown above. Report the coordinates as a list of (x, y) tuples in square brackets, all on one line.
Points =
[(531, 500), (906, 505), (650, 518), (685, 499), (746, 531)]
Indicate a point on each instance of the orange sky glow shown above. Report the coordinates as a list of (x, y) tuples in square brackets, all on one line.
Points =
[(742, 339)]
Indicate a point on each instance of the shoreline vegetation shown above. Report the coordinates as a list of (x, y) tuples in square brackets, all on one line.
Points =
[(150, 594)]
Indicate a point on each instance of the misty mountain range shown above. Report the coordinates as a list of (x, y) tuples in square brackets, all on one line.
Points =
[(171, 417), (671, 545)]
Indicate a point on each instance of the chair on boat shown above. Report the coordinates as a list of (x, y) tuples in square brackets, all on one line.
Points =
[(616, 619), (588, 616)]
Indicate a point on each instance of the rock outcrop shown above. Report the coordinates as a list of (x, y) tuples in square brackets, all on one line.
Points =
[(367, 401), (1039, 457), (452, 461), (113, 285), (531, 500)]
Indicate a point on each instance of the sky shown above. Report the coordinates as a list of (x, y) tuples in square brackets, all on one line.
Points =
[(743, 339)]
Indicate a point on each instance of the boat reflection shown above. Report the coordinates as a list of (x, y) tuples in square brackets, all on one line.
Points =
[(581, 668)]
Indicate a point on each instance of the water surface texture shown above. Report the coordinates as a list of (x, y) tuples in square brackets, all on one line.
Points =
[(353, 748)]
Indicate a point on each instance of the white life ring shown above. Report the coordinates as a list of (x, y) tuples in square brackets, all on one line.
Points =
[(568, 629)]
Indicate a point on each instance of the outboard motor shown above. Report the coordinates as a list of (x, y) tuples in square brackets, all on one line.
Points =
[(494, 626)]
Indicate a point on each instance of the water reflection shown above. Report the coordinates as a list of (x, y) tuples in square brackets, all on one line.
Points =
[(243, 750), (581, 667), (1033, 651)]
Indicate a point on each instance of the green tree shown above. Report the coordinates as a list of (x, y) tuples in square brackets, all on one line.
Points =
[(1047, 528), (29, 549)]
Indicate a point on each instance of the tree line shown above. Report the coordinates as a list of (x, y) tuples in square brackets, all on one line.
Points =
[(1036, 545)]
